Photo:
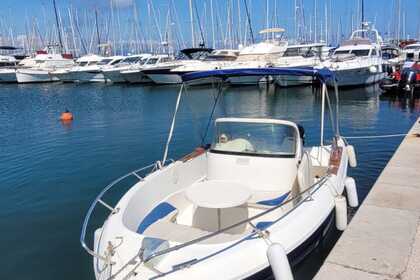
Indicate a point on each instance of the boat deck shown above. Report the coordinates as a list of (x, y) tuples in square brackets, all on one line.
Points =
[(383, 239)]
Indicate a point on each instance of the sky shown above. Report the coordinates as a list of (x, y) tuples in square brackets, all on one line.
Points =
[(16, 13)]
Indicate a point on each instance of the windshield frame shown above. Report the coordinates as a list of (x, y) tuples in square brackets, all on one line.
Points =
[(238, 121)]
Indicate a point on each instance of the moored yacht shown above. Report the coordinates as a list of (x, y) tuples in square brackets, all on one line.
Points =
[(162, 73), (93, 72), (135, 74), (358, 61), (7, 69), (256, 197), (113, 74), (39, 67), (71, 74)]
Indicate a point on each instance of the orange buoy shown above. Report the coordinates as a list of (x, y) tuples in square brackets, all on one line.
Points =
[(66, 116)]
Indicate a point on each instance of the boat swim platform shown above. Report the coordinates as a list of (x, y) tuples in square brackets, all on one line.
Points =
[(383, 239)]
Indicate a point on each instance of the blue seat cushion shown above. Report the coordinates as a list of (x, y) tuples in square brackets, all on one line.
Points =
[(159, 212), (263, 225), (275, 201)]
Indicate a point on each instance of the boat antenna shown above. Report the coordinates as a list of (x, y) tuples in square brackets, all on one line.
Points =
[(249, 21), (58, 25)]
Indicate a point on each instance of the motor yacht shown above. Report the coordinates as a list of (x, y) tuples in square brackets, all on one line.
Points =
[(113, 74), (38, 68), (135, 74), (8, 65), (72, 74), (255, 199), (358, 61), (92, 73)]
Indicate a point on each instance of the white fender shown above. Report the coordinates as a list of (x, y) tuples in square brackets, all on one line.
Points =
[(352, 155), (351, 190), (340, 212), (279, 263)]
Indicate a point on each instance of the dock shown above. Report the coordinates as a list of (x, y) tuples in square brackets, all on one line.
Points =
[(383, 239)]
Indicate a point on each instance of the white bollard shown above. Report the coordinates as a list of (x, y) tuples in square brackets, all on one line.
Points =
[(351, 190), (352, 155), (340, 212), (279, 263)]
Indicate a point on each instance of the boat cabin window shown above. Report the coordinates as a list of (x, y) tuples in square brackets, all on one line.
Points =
[(104, 61), (255, 139), (116, 61), (360, 52), (83, 63), (373, 52), (152, 61), (341, 52)]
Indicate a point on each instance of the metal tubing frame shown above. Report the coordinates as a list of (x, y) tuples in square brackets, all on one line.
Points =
[(98, 199)]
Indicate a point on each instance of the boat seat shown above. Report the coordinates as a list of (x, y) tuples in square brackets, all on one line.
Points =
[(265, 200), (163, 210), (167, 230)]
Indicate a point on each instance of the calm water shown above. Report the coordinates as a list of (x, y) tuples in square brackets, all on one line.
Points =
[(50, 172)]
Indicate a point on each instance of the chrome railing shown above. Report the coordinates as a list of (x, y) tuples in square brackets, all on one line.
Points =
[(139, 174)]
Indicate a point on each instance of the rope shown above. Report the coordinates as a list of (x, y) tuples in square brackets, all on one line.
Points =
[(382, 136)]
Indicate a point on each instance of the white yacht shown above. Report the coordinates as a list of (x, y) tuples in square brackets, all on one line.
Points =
[(163, 74), (113, 74), (301, 55), (256, 197), (135, 74), (8, 65), (39, 67), (71, 74), (93, 72), (260, 54), (358, 61), (411, 52)]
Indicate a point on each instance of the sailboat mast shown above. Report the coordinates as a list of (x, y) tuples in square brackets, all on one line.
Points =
[(97, 30), (58, 26), (212, 24), (192, 23)]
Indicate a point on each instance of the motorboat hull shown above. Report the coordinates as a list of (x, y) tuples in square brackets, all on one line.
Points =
[(300, 253), (114, 76), (8, 76), (34, 76), (163, 76), (135, 77), (94, 76), (358, 77)]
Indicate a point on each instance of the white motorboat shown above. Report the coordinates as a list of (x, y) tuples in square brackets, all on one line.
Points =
[(256, 197), (135, 74), (113, 74), (39, 67), (411, 52), (358, 61), (71, 74), (163, 74), (260, 54), (8, 65), (92, 73), (302, 55)]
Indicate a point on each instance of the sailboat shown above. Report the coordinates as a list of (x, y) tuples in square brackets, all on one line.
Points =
[(255, 198)]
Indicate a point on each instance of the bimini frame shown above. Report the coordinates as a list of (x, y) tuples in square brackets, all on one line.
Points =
[(323, 75)]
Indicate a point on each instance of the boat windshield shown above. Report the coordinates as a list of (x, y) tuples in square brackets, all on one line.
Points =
[(152, 61), (255, 139)]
